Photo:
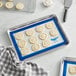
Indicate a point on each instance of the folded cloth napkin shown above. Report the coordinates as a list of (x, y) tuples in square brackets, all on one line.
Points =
[(9, 66)]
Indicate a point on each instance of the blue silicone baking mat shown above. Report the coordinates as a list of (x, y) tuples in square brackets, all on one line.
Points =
[(68, 67), (37, 37)]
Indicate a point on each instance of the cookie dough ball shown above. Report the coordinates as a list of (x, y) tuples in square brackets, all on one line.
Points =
[(22, 43), (25, 51), (33, 40), (47, 3), (30, 32), (35, 47), (49, 25), (46, 43), (72, 69), (9, 5), (19, 6), (40, 28), (53, 32), (19, 36), (42, 36), (1, 3)]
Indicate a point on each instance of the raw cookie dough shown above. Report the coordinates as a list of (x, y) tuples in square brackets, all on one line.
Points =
[(53, 32), (46, 43), (35, 47), (49, 25), (22, 43), (47, 3), (9, 5), (33, 40), (19, 36), (25, 51), (42, 36), (1, 3), (29, 32), (40, 28), (19, 6), (72, 70)]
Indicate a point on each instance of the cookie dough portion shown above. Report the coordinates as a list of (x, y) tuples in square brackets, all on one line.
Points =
[(47, 3), (30, 32), (40, 28), (46, 43), (1, 4), (49, 25), (19, 6), (33, 40), (25, 51), (72, 70), (53, 32), (9, 5), (22, 43), (19, 36), (35, 47), (42, 36)]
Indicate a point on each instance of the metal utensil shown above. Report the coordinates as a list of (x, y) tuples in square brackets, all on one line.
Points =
[(67, 4)]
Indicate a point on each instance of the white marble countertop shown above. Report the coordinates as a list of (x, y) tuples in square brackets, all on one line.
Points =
[(50, 61)]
